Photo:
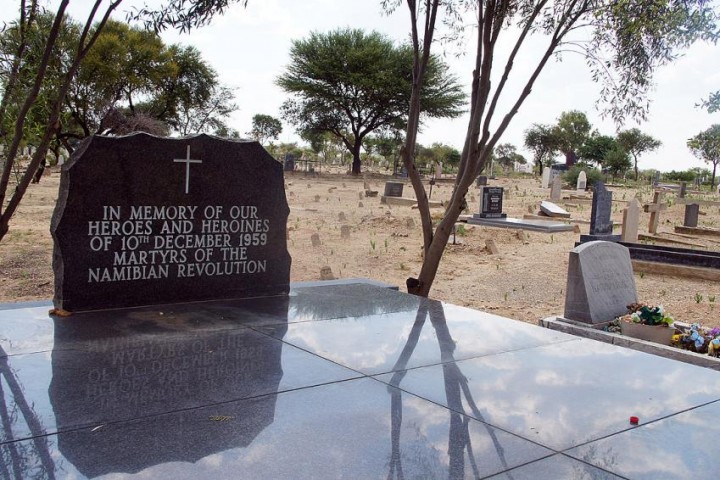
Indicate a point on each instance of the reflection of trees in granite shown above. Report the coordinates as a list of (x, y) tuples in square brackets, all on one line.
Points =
[(455, 388), (139, 378), (346, 301), (28, 459), (606, 460)]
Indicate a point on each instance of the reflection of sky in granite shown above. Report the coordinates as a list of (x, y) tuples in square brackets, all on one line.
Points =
[(372, 344), (575, 406)]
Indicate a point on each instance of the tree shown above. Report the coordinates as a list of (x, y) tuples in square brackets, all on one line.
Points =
[(636, 143), (596, 147), (541, 140), (624, 47), (616, 160), (351, 83), (507, 155), (712, 104), (706, 146), (571, 131), (265, 127)]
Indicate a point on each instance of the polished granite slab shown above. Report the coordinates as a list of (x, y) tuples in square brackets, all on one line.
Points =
[(348, 380)]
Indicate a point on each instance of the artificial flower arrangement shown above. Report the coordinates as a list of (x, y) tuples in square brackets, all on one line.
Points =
[(647, 315), (699, 339)]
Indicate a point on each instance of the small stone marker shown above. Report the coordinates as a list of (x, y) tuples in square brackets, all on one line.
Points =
[(345, 231), (581, 181), (692, 210), (601, 226), (655, 208), (546, 178), (600, 282), (683, 189), (342, 217), (315, 239), (317, 198), (531, 210), (481, 180), (326, 274), (552, 210), (409, 223), (491, 206), (556, 189), (360, 205), (361, 195), (631, 219), (492, 247), (438, 170), (143, 220), (289, 164), (393, 189)]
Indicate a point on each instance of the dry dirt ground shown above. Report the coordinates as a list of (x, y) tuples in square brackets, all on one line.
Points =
[(525, 281)]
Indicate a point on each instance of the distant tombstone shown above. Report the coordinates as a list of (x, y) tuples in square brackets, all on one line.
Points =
[(317, 198), (326, 274), (692, 210), (556, 171), (144, 220), (289, 164), (491, 206), (581, 181), (393, 189), (552, 210), (546, 178), (631, 219), (556, 190), (61, 161), (438, 170), (342, 217), (360, 205), (656, 180), (683, 189), (345, 231), (315, 240), (601, 226), (600, 282), (409, 223), (481, 180)]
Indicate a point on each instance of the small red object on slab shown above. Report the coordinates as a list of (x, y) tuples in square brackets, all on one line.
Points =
[(634, 420)]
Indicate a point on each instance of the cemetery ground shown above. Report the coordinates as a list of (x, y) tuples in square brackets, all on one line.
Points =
[(526, 280)]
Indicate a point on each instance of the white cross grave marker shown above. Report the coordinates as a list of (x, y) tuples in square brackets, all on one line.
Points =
[(187, 163)]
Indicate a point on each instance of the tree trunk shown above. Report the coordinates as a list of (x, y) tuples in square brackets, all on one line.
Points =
[(712, 180), (356, 158)]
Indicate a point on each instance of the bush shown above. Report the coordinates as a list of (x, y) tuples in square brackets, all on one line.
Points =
[(593, 175)]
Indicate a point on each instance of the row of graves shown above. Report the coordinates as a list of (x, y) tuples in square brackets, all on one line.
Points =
[(176, 347)]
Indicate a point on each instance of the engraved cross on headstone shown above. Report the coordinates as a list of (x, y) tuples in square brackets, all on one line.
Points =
[(655, 208), (187, 163)]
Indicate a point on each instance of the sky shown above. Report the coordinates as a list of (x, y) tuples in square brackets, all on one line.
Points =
[(249, 48)]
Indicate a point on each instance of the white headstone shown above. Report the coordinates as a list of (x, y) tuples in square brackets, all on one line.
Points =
[(631, 218), (438, 170), (552, 210), (556, 190), (546, 178), (582, 181), (600, 282)]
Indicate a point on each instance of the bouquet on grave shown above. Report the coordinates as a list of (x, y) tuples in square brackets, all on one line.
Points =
[(647, 315), (699, 339)]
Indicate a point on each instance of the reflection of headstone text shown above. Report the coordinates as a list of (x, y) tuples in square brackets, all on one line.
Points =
[(154, 242)]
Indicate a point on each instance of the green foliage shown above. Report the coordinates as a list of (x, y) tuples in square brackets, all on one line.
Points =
[(265, 127), (506, 155), (544, 145), (592, 174), (596, 147), (636, 143), (684, 176), (617, 161), (351, 83), (706, 146), (571, 132)]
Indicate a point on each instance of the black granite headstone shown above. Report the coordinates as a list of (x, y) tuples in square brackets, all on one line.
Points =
[(482, 180), (143, 220), (289, 164), (393, 189), (491, 203), (683, 189), (692, 210), (601, 225)]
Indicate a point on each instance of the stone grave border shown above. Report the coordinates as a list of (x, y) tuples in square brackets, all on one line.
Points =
[(595, 332)]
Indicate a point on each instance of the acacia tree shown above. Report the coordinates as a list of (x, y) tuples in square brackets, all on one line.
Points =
[(596, 147), (635, 142), (540, 139), (507, 155), (351, 83), (571, 132), (706, 146), (636, 42), (265, 127)]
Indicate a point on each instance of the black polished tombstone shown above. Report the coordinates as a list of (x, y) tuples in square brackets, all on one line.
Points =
[(601, 225), (491, 203), (143, 220)]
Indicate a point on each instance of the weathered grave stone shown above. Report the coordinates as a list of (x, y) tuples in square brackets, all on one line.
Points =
[(656, 181), (481, 180), (315, 239), (438, 170), (345, 231), (491, 206), (326, 274), (317, 198), (683, 189), (655, 208), (692, 210), (360, 204), (361, 195), (492, 247), (472, 198), (289, 163), (546, 178), (581, 181), (552, 210), (309, 186), (556, 190), (600, 282), (144, 220), (409, 222), (531, 210), (601, 226), (393, 189), (631, 218), (556, 171), (342, 217)]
